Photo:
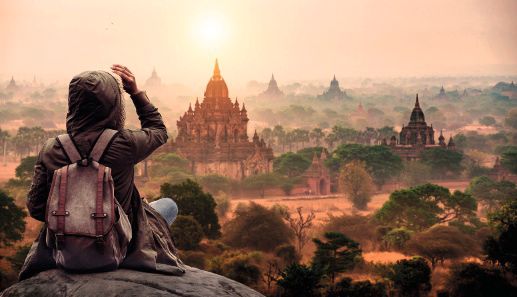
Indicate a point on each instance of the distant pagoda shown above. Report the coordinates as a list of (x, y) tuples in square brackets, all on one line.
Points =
[(154, 80), (417, 136), (442, 94), (272, 89), (12, 86), (334, 91)]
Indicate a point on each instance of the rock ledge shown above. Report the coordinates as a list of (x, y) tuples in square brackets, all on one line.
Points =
[(129, 283)]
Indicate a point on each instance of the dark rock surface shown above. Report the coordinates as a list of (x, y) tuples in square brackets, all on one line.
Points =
[(129, 283)]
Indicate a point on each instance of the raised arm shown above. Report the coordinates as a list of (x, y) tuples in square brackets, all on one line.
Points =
[(153, 133)]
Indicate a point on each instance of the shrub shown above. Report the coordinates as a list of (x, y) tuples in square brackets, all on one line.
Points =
[(187, 232)]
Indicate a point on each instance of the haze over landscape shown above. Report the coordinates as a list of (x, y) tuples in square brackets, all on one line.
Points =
[(312, 148), (296, 40)]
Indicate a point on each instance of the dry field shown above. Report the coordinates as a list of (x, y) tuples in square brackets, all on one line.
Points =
[(7, 170)]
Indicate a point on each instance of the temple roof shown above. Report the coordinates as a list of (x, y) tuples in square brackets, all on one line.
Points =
[(417, 115), (216, 87)]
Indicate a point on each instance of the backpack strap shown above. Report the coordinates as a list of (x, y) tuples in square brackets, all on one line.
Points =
[(102, 143), (69, 147)]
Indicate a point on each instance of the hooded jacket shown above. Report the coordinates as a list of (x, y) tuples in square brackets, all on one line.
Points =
[(94, 104)]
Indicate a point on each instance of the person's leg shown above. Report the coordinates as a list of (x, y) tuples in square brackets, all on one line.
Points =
[(167, 208)]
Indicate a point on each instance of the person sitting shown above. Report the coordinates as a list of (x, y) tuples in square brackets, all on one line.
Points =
[(95, 103)]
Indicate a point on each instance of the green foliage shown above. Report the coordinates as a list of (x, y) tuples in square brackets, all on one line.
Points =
[(474, 280), (511, 118), (381, 162), (491, 193), (309, 152), (509, 158), (171, 166), (214, 183), (299, 280), (194, 258), (441, 243), (25, 170), (287, 253), (415, 173), (192, 201), (487, 121), (240, 266), (347, 288), (397, 238), (187, 232), (12, 223), (257, 227), (355, 181), (501, 247), (291, 164), (336, 254), (423, 206), (261, 182), (411, 277), (443, 161), (362, 229)]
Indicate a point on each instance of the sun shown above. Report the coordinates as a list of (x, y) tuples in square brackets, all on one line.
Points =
[(211, 30)]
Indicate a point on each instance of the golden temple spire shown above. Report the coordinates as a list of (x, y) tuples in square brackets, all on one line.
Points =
[(217, 72)]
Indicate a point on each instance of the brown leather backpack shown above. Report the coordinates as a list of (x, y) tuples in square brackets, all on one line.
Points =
[(86, 227)]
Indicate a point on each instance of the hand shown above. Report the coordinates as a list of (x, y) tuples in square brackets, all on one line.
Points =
[(128, 79)]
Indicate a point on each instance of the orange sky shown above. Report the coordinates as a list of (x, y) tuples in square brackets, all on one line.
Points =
[(297, 40)]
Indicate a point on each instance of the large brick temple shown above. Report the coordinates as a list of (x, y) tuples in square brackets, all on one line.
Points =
[(213, 136)]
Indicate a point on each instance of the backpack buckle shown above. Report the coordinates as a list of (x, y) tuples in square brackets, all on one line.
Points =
[(85, 162), (99, 241), (60, 241)]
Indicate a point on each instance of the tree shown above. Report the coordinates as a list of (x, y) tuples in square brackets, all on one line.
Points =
[(12, 223), (491, 193), (25, 170), (421, 207), (474, 280), (256, 227), (287, 253), (415, 173), (443, 161), (291, 164), (187, 232), (511, 118), (316, 135), (309, 152), (500, 248), (355, 181), (487, 121), (299, 280), (192, 201), (347, 288), (411, 277), (362, 229), (336, 254), (214, 183), (509, 158), (300, 226), (240, 266), (381, 162), (261, 182), (441, 243), (165, 163), (397, 238)]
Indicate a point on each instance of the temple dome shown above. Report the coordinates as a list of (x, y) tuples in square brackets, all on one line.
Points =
[(216, 87), (417, 115)]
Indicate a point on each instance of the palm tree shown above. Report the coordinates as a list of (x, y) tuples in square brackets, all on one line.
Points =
[(4, 135), (316, 135)]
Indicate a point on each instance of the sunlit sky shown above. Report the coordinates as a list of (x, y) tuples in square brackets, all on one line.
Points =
[(297, 40)]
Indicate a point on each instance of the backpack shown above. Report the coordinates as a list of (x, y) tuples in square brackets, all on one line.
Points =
[(87, 228)]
